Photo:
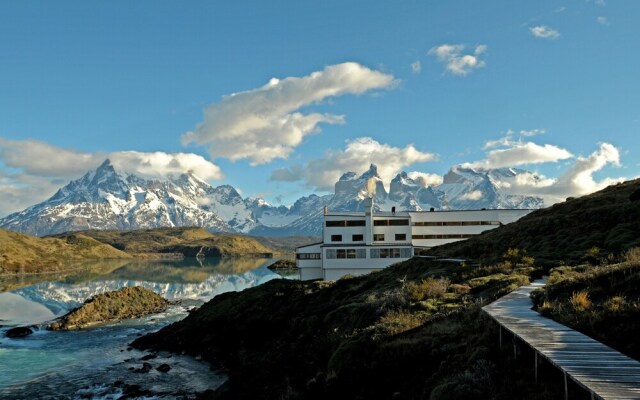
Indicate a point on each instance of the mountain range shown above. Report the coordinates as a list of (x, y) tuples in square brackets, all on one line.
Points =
[(106, 198)]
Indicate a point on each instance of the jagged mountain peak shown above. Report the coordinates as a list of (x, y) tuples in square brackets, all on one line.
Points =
[(372, 172)]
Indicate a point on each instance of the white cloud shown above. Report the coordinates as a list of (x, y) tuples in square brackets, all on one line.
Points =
[(34, 170), (603, 21), (544, 32), (473, 195), (357, 156), (577, 181), (456, 62), (514, 153), (416, 67), (265, 123), (42, 159), (425, 179), (159, 165)]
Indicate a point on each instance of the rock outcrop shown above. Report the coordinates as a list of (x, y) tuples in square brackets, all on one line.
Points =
[(128, 302)]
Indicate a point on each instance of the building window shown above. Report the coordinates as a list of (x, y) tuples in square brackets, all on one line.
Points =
[(378, 237), (336, 238), (308, 256), (449, 236), (397, 252), (334, 224), (398, 222), (455, 223), (356, 222), (357, 238), (345, 253), (401, 237), (380, 222)]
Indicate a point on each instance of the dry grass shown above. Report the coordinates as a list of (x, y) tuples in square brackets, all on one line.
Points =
[(430, 288), (30, 254), (580, 301)]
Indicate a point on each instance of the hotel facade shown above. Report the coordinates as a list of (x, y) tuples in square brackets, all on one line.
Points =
[(356, 243)]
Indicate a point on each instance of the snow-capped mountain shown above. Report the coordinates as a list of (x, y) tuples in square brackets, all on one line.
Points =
[(108, 199), (111, 199)]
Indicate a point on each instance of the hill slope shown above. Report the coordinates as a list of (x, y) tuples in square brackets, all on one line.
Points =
[(186, 241), (33, 254), (563, 233)]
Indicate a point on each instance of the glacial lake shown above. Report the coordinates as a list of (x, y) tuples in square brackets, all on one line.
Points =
[(97, 362)]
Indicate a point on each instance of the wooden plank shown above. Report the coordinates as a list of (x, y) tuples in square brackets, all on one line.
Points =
[(605, 372)]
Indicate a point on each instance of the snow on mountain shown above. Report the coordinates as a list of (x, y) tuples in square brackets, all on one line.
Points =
[(107, 199), (111, 199)]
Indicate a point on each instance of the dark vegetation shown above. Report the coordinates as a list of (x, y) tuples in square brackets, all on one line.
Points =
[(601, 300), (415, 330), (412, 331), (563, 233)]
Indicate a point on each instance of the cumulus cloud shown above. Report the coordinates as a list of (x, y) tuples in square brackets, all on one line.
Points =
[(473, 195), (265, 123), (34, 157), (603, 21), (578, 180), (416, 67), (456, 61), (544, 32), (425, 179), (509, 152), (358, 154), (34, 170), (159, 165)]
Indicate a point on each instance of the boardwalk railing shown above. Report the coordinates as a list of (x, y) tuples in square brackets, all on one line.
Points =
[(604, 372)]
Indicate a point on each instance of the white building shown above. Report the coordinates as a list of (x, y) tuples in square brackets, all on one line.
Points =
[(357, 243)]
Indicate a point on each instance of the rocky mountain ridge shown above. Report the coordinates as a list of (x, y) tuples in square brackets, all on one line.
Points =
[(111, 199)]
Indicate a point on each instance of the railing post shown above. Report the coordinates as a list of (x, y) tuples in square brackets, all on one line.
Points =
[(566, 387), (535, 361)]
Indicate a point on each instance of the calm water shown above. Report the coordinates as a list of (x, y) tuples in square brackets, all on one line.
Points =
[(97, 363)]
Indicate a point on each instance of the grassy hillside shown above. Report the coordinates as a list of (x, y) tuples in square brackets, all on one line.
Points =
[(412, 331), (31, 254), (186, 241), (566, 232), (602, 300)]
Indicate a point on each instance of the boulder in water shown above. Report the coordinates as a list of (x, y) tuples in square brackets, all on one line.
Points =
[(126, 303), (19, 332)]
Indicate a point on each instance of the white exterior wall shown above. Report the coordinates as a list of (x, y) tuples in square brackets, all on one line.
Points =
[(335, 268), (309, 269), (496, 216)]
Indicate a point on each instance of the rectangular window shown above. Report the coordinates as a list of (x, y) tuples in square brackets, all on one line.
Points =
[(336, 238), (380, 222), (398, 222), (308, 256), (396, 252), (449, 236), (378, 237), (334, 224), (345, 253), (401, 237), (357, 238), (357, 222)]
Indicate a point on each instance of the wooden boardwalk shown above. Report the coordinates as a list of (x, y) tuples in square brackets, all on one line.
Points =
[(602, 371)]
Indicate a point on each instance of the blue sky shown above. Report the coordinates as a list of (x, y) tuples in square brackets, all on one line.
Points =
[(551, 87)]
